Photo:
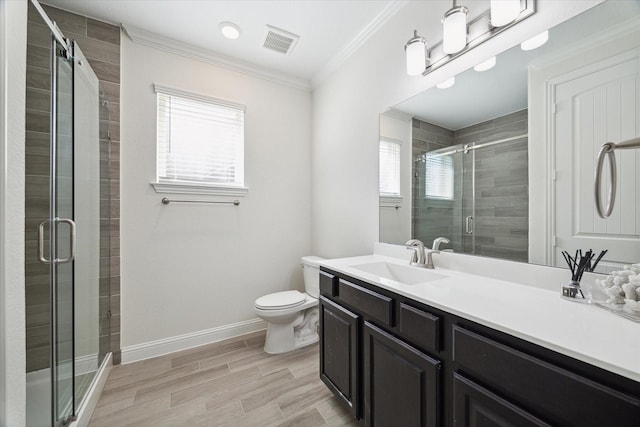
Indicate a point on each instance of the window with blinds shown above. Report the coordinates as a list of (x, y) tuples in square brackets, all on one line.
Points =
[(389, 167), (439, 177), (200, 140)]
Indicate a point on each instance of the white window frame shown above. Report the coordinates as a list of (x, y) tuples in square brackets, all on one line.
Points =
[(392, 198), (188, 187)]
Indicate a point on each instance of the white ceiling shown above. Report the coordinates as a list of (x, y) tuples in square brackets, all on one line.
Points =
[(328, 29)]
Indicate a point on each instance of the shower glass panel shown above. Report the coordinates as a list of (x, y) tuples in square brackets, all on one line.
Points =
[(87, 218), (437, 196), (476, 195), (62, 238), (496, 198)]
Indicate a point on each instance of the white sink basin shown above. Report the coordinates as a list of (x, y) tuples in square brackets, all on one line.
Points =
[(399, 273)]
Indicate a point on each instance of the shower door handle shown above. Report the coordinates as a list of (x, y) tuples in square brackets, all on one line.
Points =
[(41, 257), (72, 241), (468, 225)]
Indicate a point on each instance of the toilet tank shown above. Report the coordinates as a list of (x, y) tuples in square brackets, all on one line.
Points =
[(311, 271)]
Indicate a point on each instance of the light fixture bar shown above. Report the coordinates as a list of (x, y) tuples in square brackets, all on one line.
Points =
[(480, 30)]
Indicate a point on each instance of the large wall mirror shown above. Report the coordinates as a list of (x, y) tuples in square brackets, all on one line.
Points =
[(502, 163)]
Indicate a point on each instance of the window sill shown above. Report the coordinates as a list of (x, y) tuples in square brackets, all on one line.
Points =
[(188, 188), (390, 200)]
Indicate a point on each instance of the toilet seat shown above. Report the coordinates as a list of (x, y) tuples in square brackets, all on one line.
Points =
[(280, 300)]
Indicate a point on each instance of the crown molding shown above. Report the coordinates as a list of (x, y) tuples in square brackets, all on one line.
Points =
[(367, 32), (397, 114), (157, 41)]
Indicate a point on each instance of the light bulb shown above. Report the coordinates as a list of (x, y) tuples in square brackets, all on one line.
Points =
[(447, 83), (486, 65), (504, 12), (454, 30), (416, 53), (535, 42)]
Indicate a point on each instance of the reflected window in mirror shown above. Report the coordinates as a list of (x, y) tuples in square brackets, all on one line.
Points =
[(439, 177), (390, 167)]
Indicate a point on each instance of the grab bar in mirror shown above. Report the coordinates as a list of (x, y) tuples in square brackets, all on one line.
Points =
[(608, 150)]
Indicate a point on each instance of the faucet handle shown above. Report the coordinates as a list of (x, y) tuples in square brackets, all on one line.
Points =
[(437, 241)]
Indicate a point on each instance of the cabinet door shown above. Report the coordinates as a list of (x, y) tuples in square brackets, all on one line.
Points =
[(475, 406), (339, 353), (401, 384)]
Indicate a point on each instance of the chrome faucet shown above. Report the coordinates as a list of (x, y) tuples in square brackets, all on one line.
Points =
[(418, 253)]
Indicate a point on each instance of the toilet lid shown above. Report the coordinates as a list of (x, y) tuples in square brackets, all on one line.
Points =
[(279, 300)]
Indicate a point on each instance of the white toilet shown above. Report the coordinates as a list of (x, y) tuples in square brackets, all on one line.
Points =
[(292, 316)]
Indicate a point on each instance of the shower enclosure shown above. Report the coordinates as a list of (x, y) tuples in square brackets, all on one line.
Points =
[(65, 198), (476, 195)]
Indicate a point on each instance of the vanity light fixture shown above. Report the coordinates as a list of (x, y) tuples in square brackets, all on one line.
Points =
[(447, 83), (504, 12), (229, 30), (416, 53), (486, 65), (535, 41), (461, 34), (454, 29)]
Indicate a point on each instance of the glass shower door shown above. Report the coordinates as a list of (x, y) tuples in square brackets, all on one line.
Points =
[(438, 192), (62, 231), (496, 209)]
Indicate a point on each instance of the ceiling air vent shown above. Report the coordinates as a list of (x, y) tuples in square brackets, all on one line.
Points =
[(279, 40)]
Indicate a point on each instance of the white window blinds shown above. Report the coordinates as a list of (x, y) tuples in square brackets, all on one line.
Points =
[(200, 140), (439, 177), (389, 167)]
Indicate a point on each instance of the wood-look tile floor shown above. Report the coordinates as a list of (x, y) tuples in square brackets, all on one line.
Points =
[(229, 383)]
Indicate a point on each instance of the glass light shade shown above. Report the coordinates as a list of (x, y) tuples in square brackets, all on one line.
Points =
[(504, 12), (486, 65), (447, 83), (416, 52), (535, 42), (454, 30), (229, 30)]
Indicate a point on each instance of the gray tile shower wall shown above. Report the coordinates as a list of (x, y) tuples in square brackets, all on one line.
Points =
[(501, 217), (100, 42), (500, 186)]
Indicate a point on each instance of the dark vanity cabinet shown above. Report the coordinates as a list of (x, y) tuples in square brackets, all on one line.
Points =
[(395, 362), (368, 357), (339, 353)]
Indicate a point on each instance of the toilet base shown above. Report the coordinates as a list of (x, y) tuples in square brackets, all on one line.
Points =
[(303, 331)]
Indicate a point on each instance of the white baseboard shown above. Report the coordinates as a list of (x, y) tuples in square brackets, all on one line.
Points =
[(156, 348)]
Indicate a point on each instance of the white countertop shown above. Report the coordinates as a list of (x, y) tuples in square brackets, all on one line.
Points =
[(535, 314)]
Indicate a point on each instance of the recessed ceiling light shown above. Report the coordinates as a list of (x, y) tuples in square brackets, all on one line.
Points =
[(447, 83), (535, 42), (486, 65), (229, 30)]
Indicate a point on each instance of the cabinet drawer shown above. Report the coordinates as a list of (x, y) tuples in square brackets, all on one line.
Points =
[(419, 327), (550, 392), (474, 405), (328, 284), (377, 306)]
